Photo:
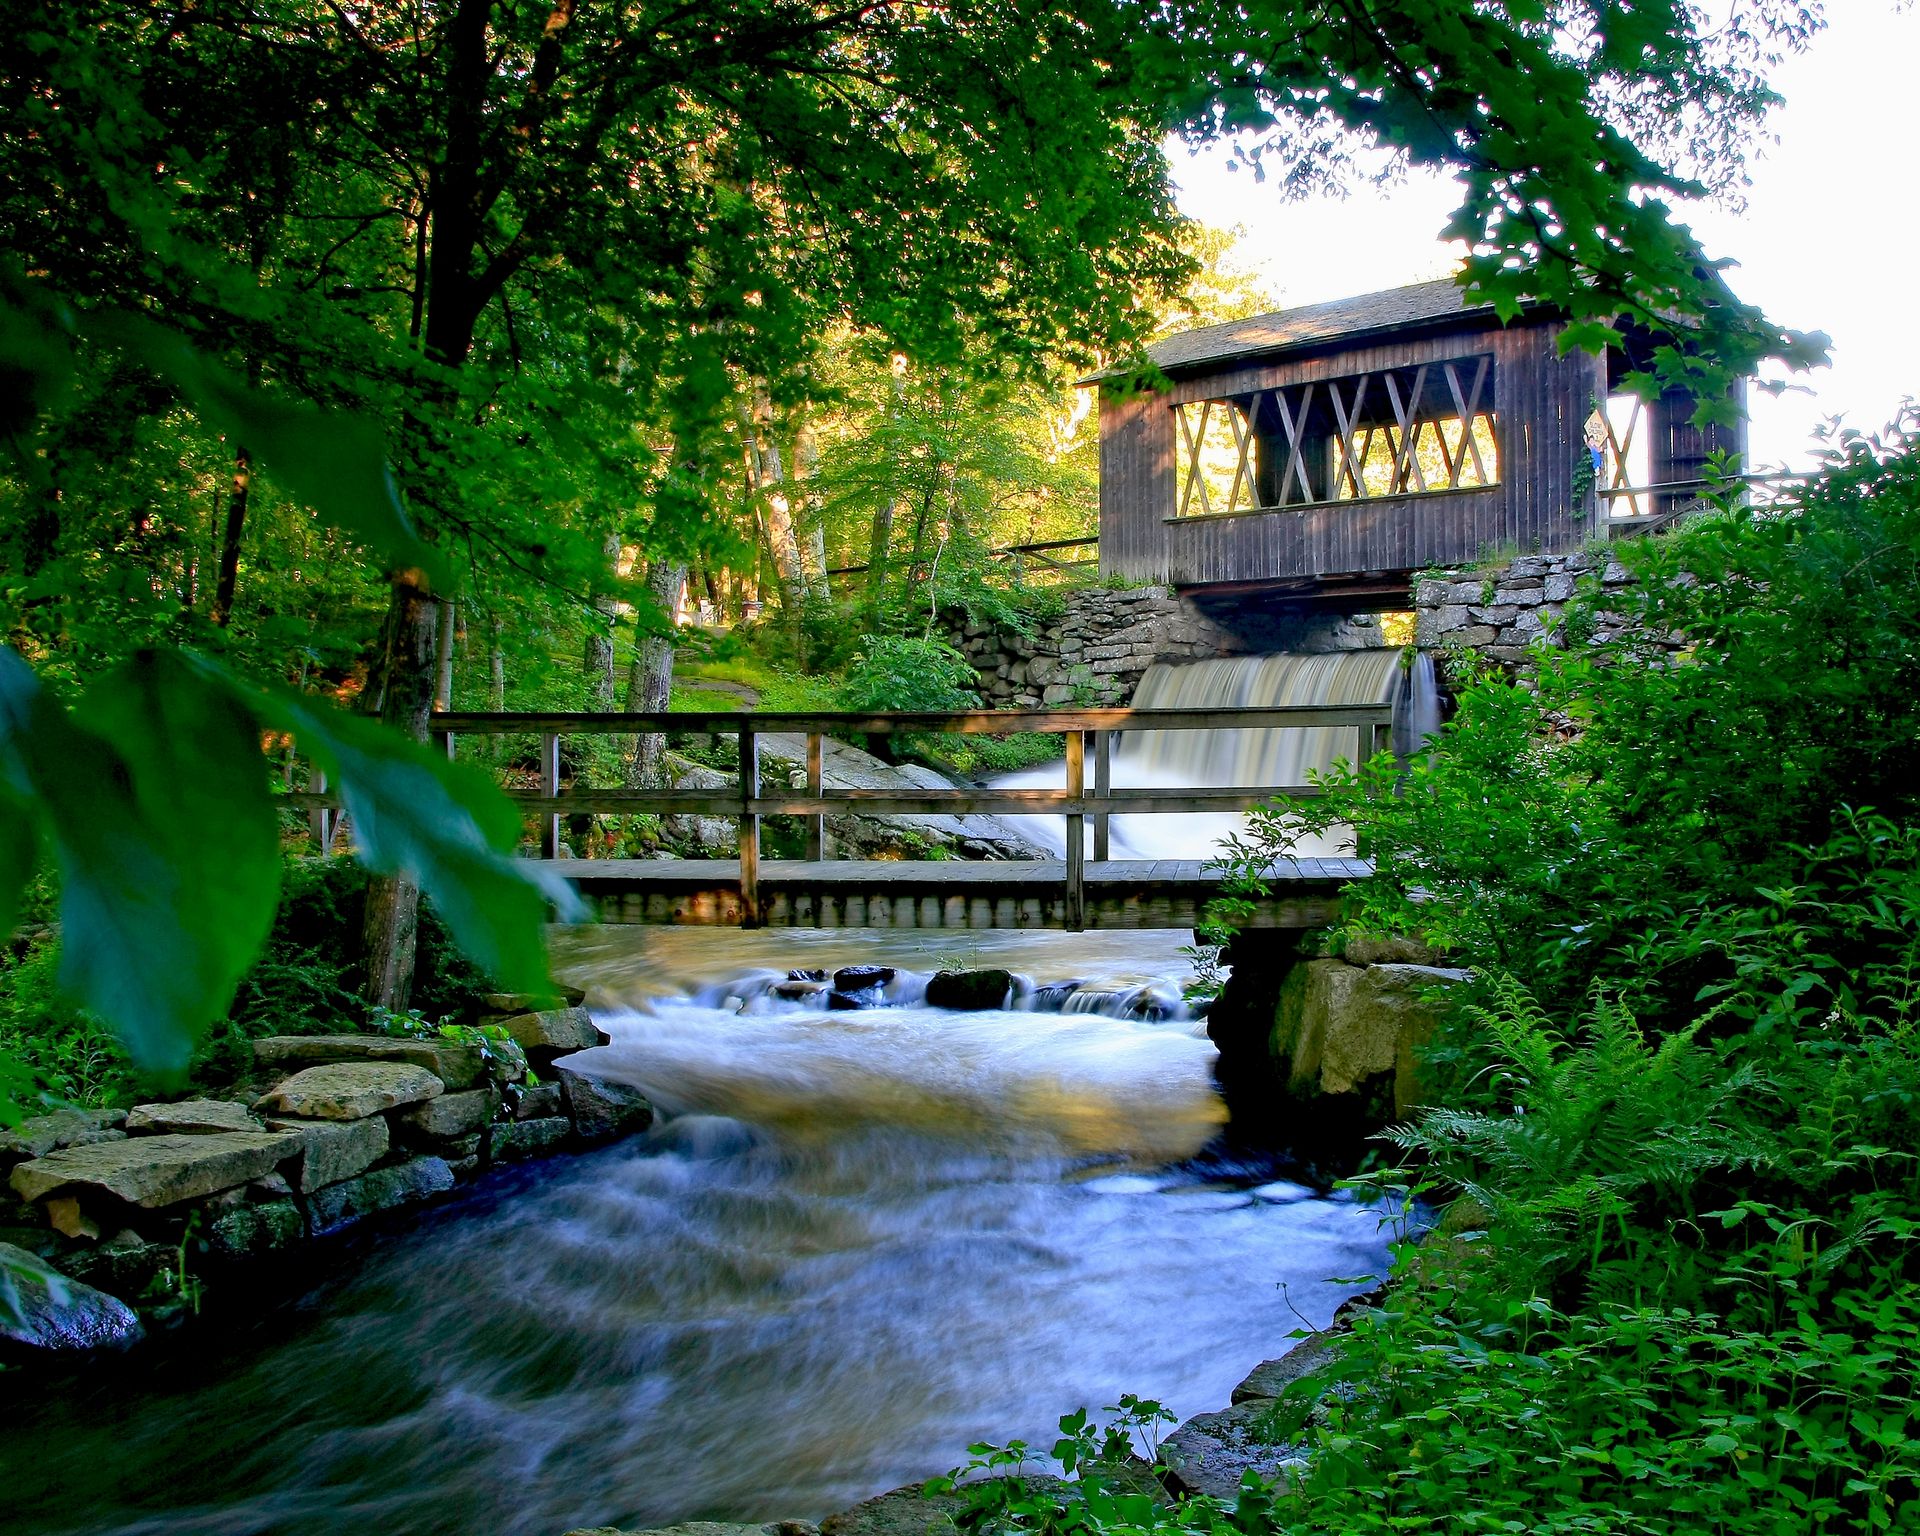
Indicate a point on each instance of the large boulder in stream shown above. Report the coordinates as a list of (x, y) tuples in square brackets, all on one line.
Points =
[(603, 1109), (969, 991), (53, 1315)]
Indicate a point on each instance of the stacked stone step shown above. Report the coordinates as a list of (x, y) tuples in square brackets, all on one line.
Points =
[(351, 1126)]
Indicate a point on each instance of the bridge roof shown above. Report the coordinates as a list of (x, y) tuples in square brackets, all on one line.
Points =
[(1368, 314)]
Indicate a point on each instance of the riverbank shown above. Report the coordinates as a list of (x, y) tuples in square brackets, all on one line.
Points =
[(124, 1222)]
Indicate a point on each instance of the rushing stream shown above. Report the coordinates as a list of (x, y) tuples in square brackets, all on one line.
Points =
[(862, 1240)]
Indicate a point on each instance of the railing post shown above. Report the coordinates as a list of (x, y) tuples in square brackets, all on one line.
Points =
[(320, 820), (816, 823), (1364, 749), (550, 788), (1075, 916), (443, 742), (1102, 787), (749, 830)]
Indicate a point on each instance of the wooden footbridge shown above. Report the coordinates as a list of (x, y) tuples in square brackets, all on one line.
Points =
[(817, 891)]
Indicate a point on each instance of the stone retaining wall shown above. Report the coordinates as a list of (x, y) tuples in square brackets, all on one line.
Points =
[(136, 1204), (1499, 611), (1096, 651)]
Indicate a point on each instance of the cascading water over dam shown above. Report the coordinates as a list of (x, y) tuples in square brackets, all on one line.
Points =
[(1250, 758)]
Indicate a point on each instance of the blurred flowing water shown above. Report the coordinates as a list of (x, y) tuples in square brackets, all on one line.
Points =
[(1249, 758), (860, 1241)]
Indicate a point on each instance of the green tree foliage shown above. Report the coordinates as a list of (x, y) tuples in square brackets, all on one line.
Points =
[(543, 253)]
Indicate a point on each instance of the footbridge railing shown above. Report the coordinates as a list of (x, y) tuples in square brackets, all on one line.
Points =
[(1088, 800)]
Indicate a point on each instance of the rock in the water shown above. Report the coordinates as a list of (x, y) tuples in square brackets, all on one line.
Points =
[(457, 1066), (1270, 1378), (156, 1170), (529, 1138), (332, 1150), (858, 978), (799, 991), (60, 1316), (1354, 1024), (190, 1117), (254, 1230), (553, 1032), (805, 973), (603, 1109), (969, 990), (908, 1512), (1212, 1451), (451, 1114), (708, 1528), (62, 1128), (350, 1090), (382, 1190)]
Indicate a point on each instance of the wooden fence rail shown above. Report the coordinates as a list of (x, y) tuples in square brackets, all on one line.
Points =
[(1079, 802)]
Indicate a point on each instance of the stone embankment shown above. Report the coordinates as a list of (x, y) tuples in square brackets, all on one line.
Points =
[(138, 1206), (1318, 1052), (1095, 652), (1500, 611)]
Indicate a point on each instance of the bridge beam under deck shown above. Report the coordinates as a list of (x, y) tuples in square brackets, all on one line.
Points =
[(795, 893)]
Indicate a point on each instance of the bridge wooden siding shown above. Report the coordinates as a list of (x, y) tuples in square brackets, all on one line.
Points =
[(1073, 893)]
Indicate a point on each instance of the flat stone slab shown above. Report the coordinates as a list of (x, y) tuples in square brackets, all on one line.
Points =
[(156, 1170), (75, 1319), (458, 1066), (906, 1512), (1212, 1451), (554, 1030), (530, 1138), (382, 1190), (708, 1528), (1270, 1378), (190, 1117), (62, 1128), (332, 1150), (452, 1114), (350, 1090)]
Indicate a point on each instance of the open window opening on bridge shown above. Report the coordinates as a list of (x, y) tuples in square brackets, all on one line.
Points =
[(1410, 431)]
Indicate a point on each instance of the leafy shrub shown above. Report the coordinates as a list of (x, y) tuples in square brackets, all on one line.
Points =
[(903, 672)]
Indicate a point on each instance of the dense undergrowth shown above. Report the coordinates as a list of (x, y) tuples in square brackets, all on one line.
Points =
[(306, 982), (1678, 1287)]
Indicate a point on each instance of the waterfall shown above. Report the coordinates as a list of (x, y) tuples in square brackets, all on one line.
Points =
[(1279, 757), (1196, 758), (1416, 705)]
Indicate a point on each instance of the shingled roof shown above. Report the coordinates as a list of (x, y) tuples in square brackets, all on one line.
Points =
[(1312, 324)]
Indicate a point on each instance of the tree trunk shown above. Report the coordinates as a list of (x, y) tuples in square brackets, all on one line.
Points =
[(806, 468), (228, 577), (599, 658), (443, 654), (497, 680), (393, 901), (769, 481), (650, 680)]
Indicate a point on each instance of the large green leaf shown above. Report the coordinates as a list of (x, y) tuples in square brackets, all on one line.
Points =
[(442, 824), (165, 839)]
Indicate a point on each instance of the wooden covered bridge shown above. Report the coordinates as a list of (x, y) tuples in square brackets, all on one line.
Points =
[(1324, 454)]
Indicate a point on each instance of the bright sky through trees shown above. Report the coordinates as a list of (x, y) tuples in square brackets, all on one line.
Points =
[(1826, 241)]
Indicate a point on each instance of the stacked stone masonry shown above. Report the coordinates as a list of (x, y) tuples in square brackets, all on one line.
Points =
[(1095, 653), (334, 1129), (1500, 612)]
